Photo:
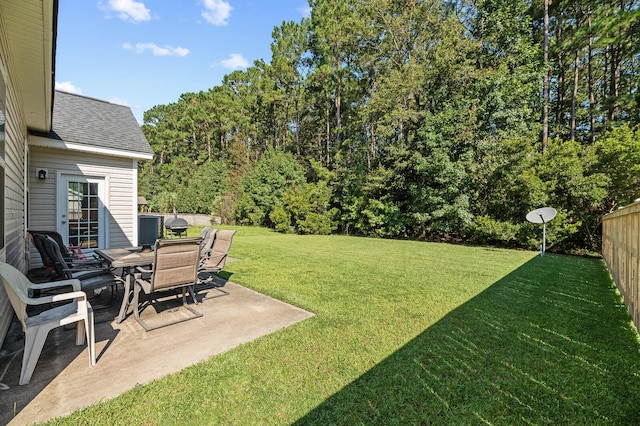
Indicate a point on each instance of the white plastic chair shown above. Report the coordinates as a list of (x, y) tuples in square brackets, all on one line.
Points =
[(37, 327)]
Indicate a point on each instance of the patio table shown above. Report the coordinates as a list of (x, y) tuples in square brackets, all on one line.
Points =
[(128, 259)]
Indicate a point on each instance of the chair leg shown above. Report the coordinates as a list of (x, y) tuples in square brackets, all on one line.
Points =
[(33, 344), (136, 313), (196, 314), (206, 281), (192, 293), (91, 336), (81, 330)]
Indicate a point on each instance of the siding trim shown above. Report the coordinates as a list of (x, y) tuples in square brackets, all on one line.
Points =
[(71, 146), (134, 202)]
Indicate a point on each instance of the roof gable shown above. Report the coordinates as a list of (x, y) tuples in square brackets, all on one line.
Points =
[(87, 122)]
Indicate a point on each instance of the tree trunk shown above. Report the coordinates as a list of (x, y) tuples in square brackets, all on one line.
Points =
[(574, 96), (372, 151), (338, 121), (592, 97), (328, 128), (298, 127), (545, 84), (616, 68), (560, 103), (614, 85)]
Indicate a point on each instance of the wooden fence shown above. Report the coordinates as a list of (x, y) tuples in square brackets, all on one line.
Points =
[(621, 252), (192, 219)]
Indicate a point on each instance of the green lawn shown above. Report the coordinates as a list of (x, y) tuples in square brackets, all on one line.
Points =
[(409, 333)]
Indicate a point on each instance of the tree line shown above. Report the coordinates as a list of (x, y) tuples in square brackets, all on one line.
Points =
[(445, 120)]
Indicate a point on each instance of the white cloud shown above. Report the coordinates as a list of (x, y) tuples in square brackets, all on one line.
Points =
[(305, 11), (235, 61), (216, 12), (128, 10), (67, 86), (157, 50), (118, 101)]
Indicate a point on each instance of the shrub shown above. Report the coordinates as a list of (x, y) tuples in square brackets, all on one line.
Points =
[(487, 230)]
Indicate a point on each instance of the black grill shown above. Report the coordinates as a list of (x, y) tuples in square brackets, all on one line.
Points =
[(176, 226)]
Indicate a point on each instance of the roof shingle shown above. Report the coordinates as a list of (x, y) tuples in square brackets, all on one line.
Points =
[(93, 122)]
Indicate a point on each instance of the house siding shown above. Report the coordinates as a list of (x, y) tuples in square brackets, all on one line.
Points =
[(14, 214), (120, 192)]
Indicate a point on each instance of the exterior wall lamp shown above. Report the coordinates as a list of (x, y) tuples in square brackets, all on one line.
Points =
[(41, 173)]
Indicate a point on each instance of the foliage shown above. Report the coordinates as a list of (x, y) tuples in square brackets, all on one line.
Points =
[(263, 186), (208, 182), (487, 230), (427, 114), (617, 156), (222, 208), (184, 188), (305, 208)]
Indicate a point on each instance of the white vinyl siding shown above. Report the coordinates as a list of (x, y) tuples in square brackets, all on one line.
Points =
[(120, 180), (14, 249)]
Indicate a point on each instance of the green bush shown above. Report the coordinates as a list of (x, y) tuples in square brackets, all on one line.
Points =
[(487, 230), (280, 218), (306, 210), (263, 187)]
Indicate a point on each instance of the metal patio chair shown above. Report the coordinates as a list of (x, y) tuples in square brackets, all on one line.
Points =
[(93, 277), (175, 267), (71, 254), (213, 261)]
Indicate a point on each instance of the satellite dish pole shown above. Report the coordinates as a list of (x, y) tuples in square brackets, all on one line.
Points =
[(544, 235), (542, 215)]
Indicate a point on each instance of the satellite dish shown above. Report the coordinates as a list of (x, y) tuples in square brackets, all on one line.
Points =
[(542, 215)]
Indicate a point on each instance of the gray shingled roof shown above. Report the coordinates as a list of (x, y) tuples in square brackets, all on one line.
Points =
[(88, 121)]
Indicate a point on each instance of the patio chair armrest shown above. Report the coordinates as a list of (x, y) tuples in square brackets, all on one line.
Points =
[(87, 262), (73, 282), (143, 270), (219, 255), (80, 295), (88, 271)]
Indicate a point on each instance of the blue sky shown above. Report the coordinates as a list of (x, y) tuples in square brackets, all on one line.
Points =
[(148, 52)]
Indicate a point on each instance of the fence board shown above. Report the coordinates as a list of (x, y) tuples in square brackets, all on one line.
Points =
[(621, 252), (192, 219)]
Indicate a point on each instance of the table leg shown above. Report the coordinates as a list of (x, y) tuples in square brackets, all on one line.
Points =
[(127, 295)]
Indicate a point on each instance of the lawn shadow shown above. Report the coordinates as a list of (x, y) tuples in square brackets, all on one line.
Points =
[(548, 343)]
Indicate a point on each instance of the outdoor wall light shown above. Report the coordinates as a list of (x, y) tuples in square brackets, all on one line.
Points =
[(41, 173)]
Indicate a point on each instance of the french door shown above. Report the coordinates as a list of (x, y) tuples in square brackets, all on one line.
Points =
[(81, 211)]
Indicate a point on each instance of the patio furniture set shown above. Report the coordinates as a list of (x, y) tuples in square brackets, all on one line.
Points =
[(182, 264)]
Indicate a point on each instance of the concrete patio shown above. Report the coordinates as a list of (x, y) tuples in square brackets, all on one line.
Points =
[(63, 381)]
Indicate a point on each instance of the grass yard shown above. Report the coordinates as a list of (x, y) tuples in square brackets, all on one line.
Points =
[(409, 333)]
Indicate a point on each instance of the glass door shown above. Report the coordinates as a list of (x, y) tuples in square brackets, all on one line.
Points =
[(81, 223)]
